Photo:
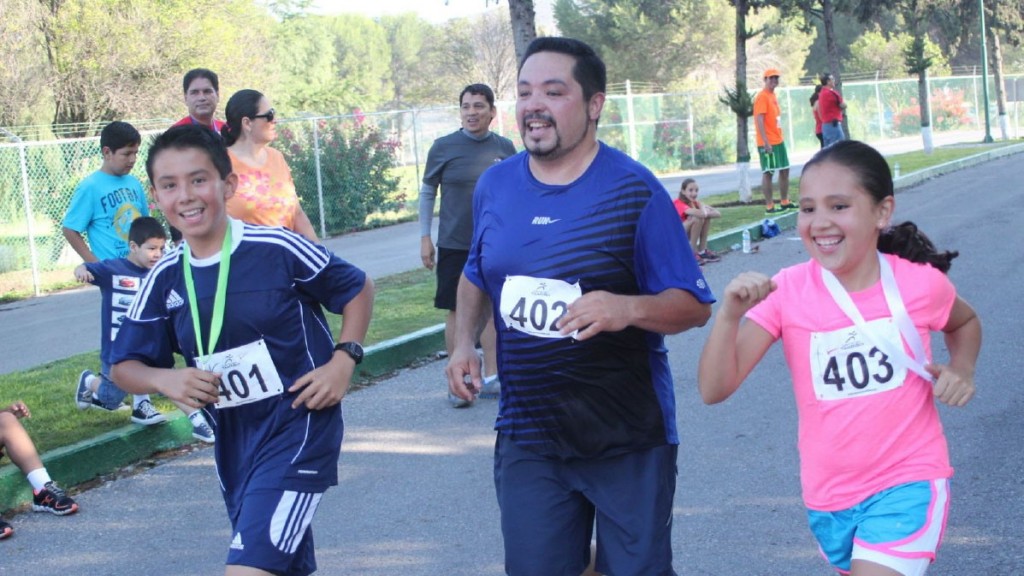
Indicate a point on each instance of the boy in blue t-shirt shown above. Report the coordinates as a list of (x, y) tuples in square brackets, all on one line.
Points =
[(119, 280), (107, 201), (245, 307)]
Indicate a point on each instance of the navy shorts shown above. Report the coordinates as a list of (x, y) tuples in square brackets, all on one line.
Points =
[(450, 263), (549, 508), (271, 531)]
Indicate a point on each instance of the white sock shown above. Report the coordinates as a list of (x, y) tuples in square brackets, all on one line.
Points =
[(491, 378), (139, 399), (38, 479)]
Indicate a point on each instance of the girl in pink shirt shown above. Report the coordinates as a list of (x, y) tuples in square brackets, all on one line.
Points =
[(874, 461)]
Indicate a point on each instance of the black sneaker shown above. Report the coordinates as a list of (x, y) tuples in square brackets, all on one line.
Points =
[(120, 407), (147, 414), (5, 530), (54, 500)]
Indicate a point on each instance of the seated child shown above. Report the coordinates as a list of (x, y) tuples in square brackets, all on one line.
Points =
[(696, 218), (119, 280), (47, 495)]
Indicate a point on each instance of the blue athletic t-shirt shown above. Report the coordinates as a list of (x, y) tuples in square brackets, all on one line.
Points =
[(103, 208), (277, 283), (118, 280), (613, 229)]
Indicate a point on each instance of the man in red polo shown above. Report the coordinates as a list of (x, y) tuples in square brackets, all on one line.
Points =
[(201, 96)]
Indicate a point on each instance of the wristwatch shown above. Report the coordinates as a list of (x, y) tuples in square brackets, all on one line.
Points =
[(353, 349)]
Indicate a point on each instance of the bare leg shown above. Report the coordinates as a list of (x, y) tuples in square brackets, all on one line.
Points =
[(236, 570), (784, 184), (449, 332), (17, 444), (766, 186), (866, 568), (692, 234), (705, 227)]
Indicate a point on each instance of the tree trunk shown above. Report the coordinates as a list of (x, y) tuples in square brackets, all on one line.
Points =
[(524, 26), (827, 17), (997, 70), (742, 144), (926, 111)]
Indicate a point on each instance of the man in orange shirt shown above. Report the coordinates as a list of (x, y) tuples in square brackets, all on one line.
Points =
[(770, 147)]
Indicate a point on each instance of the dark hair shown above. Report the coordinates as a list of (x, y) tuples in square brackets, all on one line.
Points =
[(817, 92), (186, 137), (686, 182), (872, 172), (117, 135), (194, 73), (145, 227), (589, 69), (824, 77), (242, 104), (478, 90)]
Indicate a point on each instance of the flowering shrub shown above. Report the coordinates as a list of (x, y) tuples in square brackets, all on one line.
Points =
[(355, 170), (949, 112)]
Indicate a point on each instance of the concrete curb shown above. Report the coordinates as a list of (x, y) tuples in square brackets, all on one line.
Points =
[(88, 459)]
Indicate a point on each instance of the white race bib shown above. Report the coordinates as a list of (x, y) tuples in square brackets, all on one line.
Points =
[(844, 364), (534, 305), (247, 374)]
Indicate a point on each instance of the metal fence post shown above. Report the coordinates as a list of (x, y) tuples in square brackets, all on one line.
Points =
[(631, 121), (319, 176), (34, 256), (881, 108)]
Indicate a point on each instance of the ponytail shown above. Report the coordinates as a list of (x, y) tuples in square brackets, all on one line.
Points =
[(908, 242)]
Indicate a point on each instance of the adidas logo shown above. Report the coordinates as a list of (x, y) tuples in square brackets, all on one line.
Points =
[(236, 544), (174, 301), (544, 220)]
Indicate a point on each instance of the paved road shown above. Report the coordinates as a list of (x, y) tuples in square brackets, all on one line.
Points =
[(416, 497), (60, 325)]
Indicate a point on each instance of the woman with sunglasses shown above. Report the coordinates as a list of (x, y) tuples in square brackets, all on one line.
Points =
[(266, 192)]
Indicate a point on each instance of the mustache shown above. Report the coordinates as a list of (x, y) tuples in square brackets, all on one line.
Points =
[(539, 116)]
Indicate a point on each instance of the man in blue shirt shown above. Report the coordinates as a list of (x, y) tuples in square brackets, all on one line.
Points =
[(573, 245)]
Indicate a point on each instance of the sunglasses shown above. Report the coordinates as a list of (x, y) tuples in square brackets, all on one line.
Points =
[(269, 115)]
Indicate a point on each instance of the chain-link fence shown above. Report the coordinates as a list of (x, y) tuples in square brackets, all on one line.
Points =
[(360, 170)]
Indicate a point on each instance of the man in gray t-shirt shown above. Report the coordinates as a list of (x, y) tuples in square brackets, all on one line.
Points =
[(454, 163)]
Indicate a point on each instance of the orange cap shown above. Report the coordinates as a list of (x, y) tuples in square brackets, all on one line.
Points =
[(771, 72)]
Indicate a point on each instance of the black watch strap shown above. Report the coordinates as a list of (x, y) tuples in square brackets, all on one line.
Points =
[(353, 349)]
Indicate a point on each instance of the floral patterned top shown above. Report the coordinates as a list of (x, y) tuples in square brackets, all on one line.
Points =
[(265, 194)]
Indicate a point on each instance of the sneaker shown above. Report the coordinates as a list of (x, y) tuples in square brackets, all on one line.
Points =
[(119, 408), (83, 395), (709, 256), (775, 210), (788, 207), (203, 433), (700, 260), (54, 500), (147, 414), (5, 530), (491, 389), (457, 402)]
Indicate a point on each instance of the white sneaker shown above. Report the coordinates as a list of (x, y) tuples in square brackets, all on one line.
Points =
[(491, 388)]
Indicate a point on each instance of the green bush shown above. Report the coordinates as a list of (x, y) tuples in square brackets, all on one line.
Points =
[(355, 168)]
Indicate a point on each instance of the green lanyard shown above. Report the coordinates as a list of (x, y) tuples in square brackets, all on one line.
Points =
[(217, 319)]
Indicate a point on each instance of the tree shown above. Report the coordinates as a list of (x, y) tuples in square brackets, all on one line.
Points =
[(1005, 17), (523, 19), (22, 66)]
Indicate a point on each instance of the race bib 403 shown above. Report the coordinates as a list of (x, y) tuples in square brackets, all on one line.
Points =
[(845, 364)]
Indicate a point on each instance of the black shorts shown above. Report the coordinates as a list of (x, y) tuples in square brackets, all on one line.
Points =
[(450, 263)]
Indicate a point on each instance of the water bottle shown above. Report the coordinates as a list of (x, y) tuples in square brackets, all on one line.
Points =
[(896, 170), (746, 241)]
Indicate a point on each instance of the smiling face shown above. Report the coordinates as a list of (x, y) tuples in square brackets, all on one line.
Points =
[(839, 223), (554, 119), (192, 196), (201, 99), (476, 114), (690, 192)]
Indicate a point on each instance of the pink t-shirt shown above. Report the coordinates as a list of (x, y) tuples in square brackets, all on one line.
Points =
[(860, 430)]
